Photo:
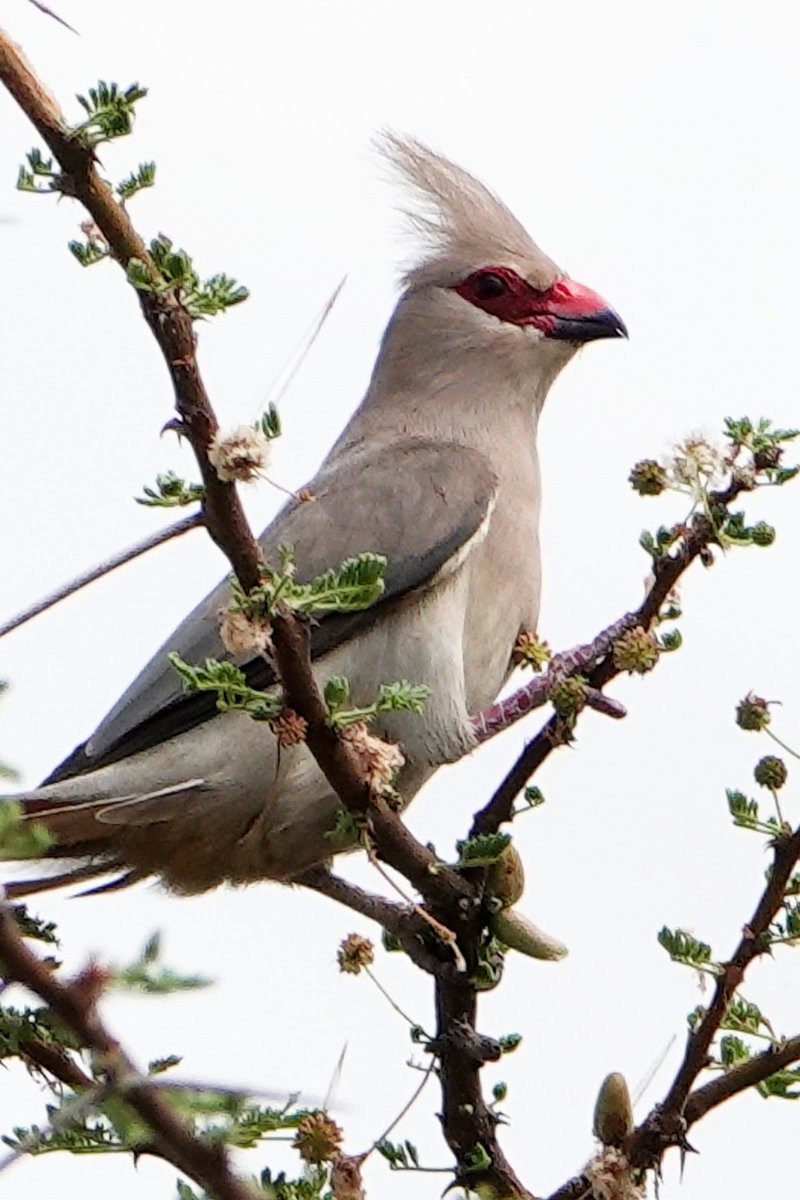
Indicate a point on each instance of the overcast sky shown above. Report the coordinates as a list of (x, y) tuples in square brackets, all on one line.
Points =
[(652, 152)]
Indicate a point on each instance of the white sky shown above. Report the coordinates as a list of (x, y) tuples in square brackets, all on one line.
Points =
[(652, 152)]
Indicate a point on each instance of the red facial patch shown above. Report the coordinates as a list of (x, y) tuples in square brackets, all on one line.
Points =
[(505, 295)]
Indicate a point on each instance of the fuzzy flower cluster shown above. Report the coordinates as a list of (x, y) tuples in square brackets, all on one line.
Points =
[(568, 697), (380, 760), (355, 953), (698, 464), (610, 1177), (345, 1177), (636, 650), (694, 467), (242, 634), (289, 728), (770, 772), (531, 650), (240, 455), (752, 713), (318, 1138)]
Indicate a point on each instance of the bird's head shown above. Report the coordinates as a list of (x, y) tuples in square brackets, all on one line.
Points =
[(481, 283)]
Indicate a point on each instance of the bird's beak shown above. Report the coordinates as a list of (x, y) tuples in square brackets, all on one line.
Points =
[(574, 313)]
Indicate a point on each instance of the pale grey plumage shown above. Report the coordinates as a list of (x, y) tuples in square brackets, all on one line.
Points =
[(437, 469)]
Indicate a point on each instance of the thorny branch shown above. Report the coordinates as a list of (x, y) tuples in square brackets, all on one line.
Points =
[(667, 1124), (469, 1124), (597, 664), (75, 1005), (223, 515), (751, 945)]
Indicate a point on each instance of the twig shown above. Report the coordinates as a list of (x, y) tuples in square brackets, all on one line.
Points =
[(56, 1061), (105, 568), (751, 945), (402, 921), (700, 1102), (602, 669), (738, 1079), (171, 326), (667, 1123), (403, 1111), (75, 1004)]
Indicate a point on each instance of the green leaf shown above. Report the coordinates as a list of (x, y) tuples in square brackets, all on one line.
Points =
[(336, 692), (784, 1084), (509, 1042), (147, 974), (185, 1192), (270, 423), (683, 948), (733, 1051), (157, 1066), (354, 585), (38, 169), (19, 838), (742, 1016), (143, 177), (89, 252), (110, 112), (483, 850), (231, 687), (35, 928), (171, 492)]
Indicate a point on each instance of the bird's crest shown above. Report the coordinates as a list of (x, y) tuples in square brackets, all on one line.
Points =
[(459, 222)]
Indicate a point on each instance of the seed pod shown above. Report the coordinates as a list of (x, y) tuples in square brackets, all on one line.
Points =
[(505, 878), (518, 933), (613, 1114)]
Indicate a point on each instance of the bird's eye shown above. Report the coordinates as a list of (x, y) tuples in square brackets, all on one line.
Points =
[(489, 285)]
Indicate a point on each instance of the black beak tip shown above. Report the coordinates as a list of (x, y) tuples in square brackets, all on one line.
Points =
[(603, 324)]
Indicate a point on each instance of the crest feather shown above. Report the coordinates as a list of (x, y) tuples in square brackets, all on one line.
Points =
[(460, 224)]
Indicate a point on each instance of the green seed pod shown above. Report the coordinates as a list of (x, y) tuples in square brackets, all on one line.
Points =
[(613, 1113), (505, 878), (518, 933)]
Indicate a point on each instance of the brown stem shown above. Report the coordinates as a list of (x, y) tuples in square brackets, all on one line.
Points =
[(55, 1060), (468, 1124), (738, 1079), (404, 921), (751, 945), (75, 1004)]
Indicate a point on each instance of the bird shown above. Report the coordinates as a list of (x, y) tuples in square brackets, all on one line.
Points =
[(437, 470)]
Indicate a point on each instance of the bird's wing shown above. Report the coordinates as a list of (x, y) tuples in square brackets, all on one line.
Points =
[(419, 503)]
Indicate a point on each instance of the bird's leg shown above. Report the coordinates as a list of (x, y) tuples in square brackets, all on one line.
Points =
[(536, 692)]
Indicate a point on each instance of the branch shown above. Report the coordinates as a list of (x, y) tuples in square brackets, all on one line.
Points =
[(404, 921), (223, 515), (667, 1123), (105, 568), (597, 662), (75, 1004), (751, 945), (468, 1124), (738, 1079), (168, 321)]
